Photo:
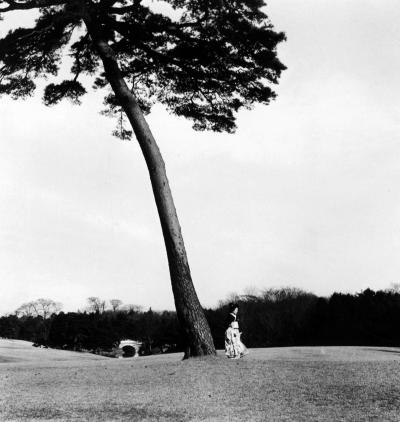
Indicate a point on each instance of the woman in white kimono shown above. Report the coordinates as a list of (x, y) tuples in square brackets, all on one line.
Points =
[(234, 348)]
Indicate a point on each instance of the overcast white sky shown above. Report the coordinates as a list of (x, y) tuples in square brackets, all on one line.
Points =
[(305, 194)]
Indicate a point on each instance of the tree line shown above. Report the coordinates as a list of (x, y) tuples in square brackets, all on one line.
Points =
[(270, 318), (292, 317)]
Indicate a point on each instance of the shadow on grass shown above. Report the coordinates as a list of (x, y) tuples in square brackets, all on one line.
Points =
[(396, 352), (108, 413), (4, 359)]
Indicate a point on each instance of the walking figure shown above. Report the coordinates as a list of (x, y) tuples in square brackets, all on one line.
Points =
[(234, 348)]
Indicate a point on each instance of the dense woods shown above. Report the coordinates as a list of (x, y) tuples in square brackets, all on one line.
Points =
[(274, 317)]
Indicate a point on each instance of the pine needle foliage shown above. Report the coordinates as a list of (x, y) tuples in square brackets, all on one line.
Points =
[(217, 57)]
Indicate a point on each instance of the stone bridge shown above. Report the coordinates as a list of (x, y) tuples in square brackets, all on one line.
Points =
[(130, 348)]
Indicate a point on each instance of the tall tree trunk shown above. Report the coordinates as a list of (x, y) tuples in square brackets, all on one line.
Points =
[(189, 311)]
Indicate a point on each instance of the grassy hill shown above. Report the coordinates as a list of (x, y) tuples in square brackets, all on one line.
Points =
[(277, 384), (19, 351)]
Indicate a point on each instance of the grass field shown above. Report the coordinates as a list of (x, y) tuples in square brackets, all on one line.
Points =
[(277, 384)]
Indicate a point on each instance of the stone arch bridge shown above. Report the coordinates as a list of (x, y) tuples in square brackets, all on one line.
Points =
[(130, 348)]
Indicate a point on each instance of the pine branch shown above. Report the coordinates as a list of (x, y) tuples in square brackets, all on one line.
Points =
[(125, 9), (31, 4)]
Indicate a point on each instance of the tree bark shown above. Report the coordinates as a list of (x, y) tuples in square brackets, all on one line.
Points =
[(189, 311)]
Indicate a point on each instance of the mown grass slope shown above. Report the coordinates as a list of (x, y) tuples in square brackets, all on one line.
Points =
[(277, 384)]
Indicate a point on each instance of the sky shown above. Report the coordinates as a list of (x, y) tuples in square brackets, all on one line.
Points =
[(306, 192)]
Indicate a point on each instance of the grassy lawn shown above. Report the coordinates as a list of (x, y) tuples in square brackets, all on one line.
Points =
[(277, 384)]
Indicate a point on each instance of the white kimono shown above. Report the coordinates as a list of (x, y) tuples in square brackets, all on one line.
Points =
[(234, 348)]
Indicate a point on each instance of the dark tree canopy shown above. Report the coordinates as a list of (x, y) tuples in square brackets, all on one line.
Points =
[(216, 57)]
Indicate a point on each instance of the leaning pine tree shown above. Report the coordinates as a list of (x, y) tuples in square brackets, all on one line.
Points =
[(214, 58)]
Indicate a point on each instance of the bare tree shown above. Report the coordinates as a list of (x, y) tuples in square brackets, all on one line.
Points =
[(96, 304), (132, 308), (115, 304), (43, 308), (26, 309), (40, 307), (394, 288), (47, 307)]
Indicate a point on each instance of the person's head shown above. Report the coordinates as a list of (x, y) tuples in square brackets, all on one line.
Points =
[(233, 308)]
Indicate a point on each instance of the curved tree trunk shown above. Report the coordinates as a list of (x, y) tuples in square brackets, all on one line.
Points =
[(189, 311)]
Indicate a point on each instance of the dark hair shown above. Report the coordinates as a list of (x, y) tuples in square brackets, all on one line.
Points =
[(233, 306)]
